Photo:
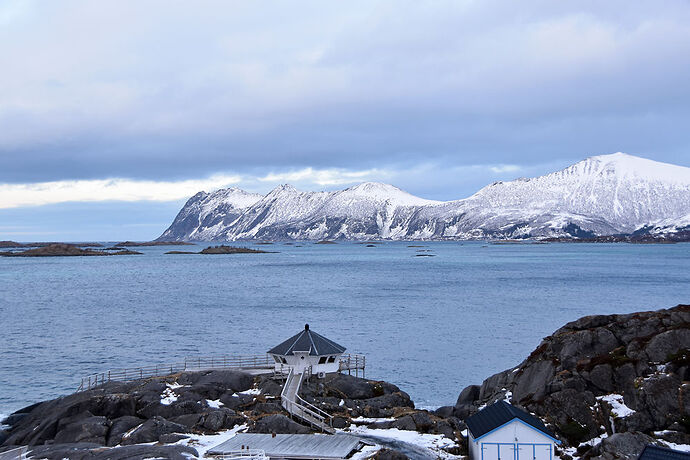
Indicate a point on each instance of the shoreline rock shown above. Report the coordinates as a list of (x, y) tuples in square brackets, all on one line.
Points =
[(599, 376)]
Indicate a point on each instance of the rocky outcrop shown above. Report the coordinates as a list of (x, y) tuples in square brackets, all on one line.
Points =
[(600, 375), (167, 409), (63, 249), (231, 250)]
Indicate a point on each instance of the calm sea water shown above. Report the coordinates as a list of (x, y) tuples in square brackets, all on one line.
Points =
[(431, 325)]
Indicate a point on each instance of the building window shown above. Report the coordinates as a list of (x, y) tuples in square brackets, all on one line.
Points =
[(276, 359), (322, 360), (284, 360), (331, 359)]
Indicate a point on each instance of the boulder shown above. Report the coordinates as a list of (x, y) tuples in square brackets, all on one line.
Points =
[(89, 429), (350, 387), (278, 423), (151, 430), (227, 379), (389, 454), (120, 426), (620, 446), (404, 423)]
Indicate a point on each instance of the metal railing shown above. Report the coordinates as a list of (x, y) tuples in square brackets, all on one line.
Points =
[(348, 362), (301, 408), (189, 364), (247, 454), (352, 362)]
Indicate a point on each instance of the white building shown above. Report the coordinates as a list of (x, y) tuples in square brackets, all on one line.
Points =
[(308, 350), (504, 432)]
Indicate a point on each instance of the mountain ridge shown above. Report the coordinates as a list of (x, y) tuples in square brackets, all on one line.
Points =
[(601, 195)]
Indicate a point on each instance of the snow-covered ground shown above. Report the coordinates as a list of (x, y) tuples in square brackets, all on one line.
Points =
[(412, 443)]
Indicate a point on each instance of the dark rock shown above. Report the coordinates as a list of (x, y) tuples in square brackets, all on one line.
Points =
[(151, 430), (404, 423), (214, 420), (643, 356), (137, 452), (468, 395), (267, 408), (350, 387), (230, 380), (278, 423), (89, 429), (171, 438), (422, 421), (189, 420), (75, 451), (389, 454), (120, 426), (444, 411), (620, 446), (340, 422)]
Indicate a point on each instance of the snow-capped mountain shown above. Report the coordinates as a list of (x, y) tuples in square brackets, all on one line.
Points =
[(606, 194)]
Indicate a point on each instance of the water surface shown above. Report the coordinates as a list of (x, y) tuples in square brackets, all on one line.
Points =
[(431, 325)]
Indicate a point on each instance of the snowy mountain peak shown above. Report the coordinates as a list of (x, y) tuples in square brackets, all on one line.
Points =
[(623, 165), (379, 191), (601, 195)]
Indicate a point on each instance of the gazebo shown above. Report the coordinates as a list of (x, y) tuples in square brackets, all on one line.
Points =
[(307, 349)]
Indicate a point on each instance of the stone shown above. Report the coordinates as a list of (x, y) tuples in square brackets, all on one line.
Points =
[(151, 430), (468, 395), (422, 421), (230, 380), (389, 454), (626, 446), (278, 423), (120, 426), (90, 429), (404, 423)]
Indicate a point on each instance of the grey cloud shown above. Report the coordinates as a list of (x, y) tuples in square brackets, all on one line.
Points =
[(160, 90)]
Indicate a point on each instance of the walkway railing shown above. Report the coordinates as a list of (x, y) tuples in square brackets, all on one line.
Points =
[(291, 402), (189, 364), (352, 362), (348, 362), (247, 454)]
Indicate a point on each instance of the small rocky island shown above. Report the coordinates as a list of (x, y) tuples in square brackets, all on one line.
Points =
[(222, 249), (605, 385), (64, 249)]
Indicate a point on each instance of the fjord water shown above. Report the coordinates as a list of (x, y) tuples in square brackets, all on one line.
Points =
[(431, 325)]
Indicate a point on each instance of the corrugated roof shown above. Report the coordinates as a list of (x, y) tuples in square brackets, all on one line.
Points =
[(498, 414), (651, 452), (308, 340), (323, 446)]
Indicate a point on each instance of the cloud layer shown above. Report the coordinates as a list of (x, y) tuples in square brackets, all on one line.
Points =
[(164, 92), (128, 190)]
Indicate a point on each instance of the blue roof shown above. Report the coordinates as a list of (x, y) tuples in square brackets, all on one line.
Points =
[(309, 341), (651, 452), (498, 414)]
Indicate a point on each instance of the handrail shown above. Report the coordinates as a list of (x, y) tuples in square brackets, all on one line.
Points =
[(256, 454), (189, 364), (305, 410)]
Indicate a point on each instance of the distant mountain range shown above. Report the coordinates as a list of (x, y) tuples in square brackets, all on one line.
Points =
[(602, 195)]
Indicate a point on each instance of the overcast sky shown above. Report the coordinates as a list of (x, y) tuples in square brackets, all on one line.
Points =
[(113, 112)]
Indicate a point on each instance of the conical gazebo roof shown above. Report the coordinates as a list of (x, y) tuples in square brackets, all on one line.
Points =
[(307, 341)]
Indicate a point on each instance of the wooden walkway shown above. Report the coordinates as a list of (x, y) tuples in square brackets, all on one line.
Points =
[(298, 407), (295, 446)]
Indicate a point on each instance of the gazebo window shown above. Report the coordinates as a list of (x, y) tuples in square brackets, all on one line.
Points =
[(331, 359), (322, 360)]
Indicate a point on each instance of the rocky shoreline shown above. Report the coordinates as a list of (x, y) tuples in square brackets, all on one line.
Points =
[(606, 386)]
